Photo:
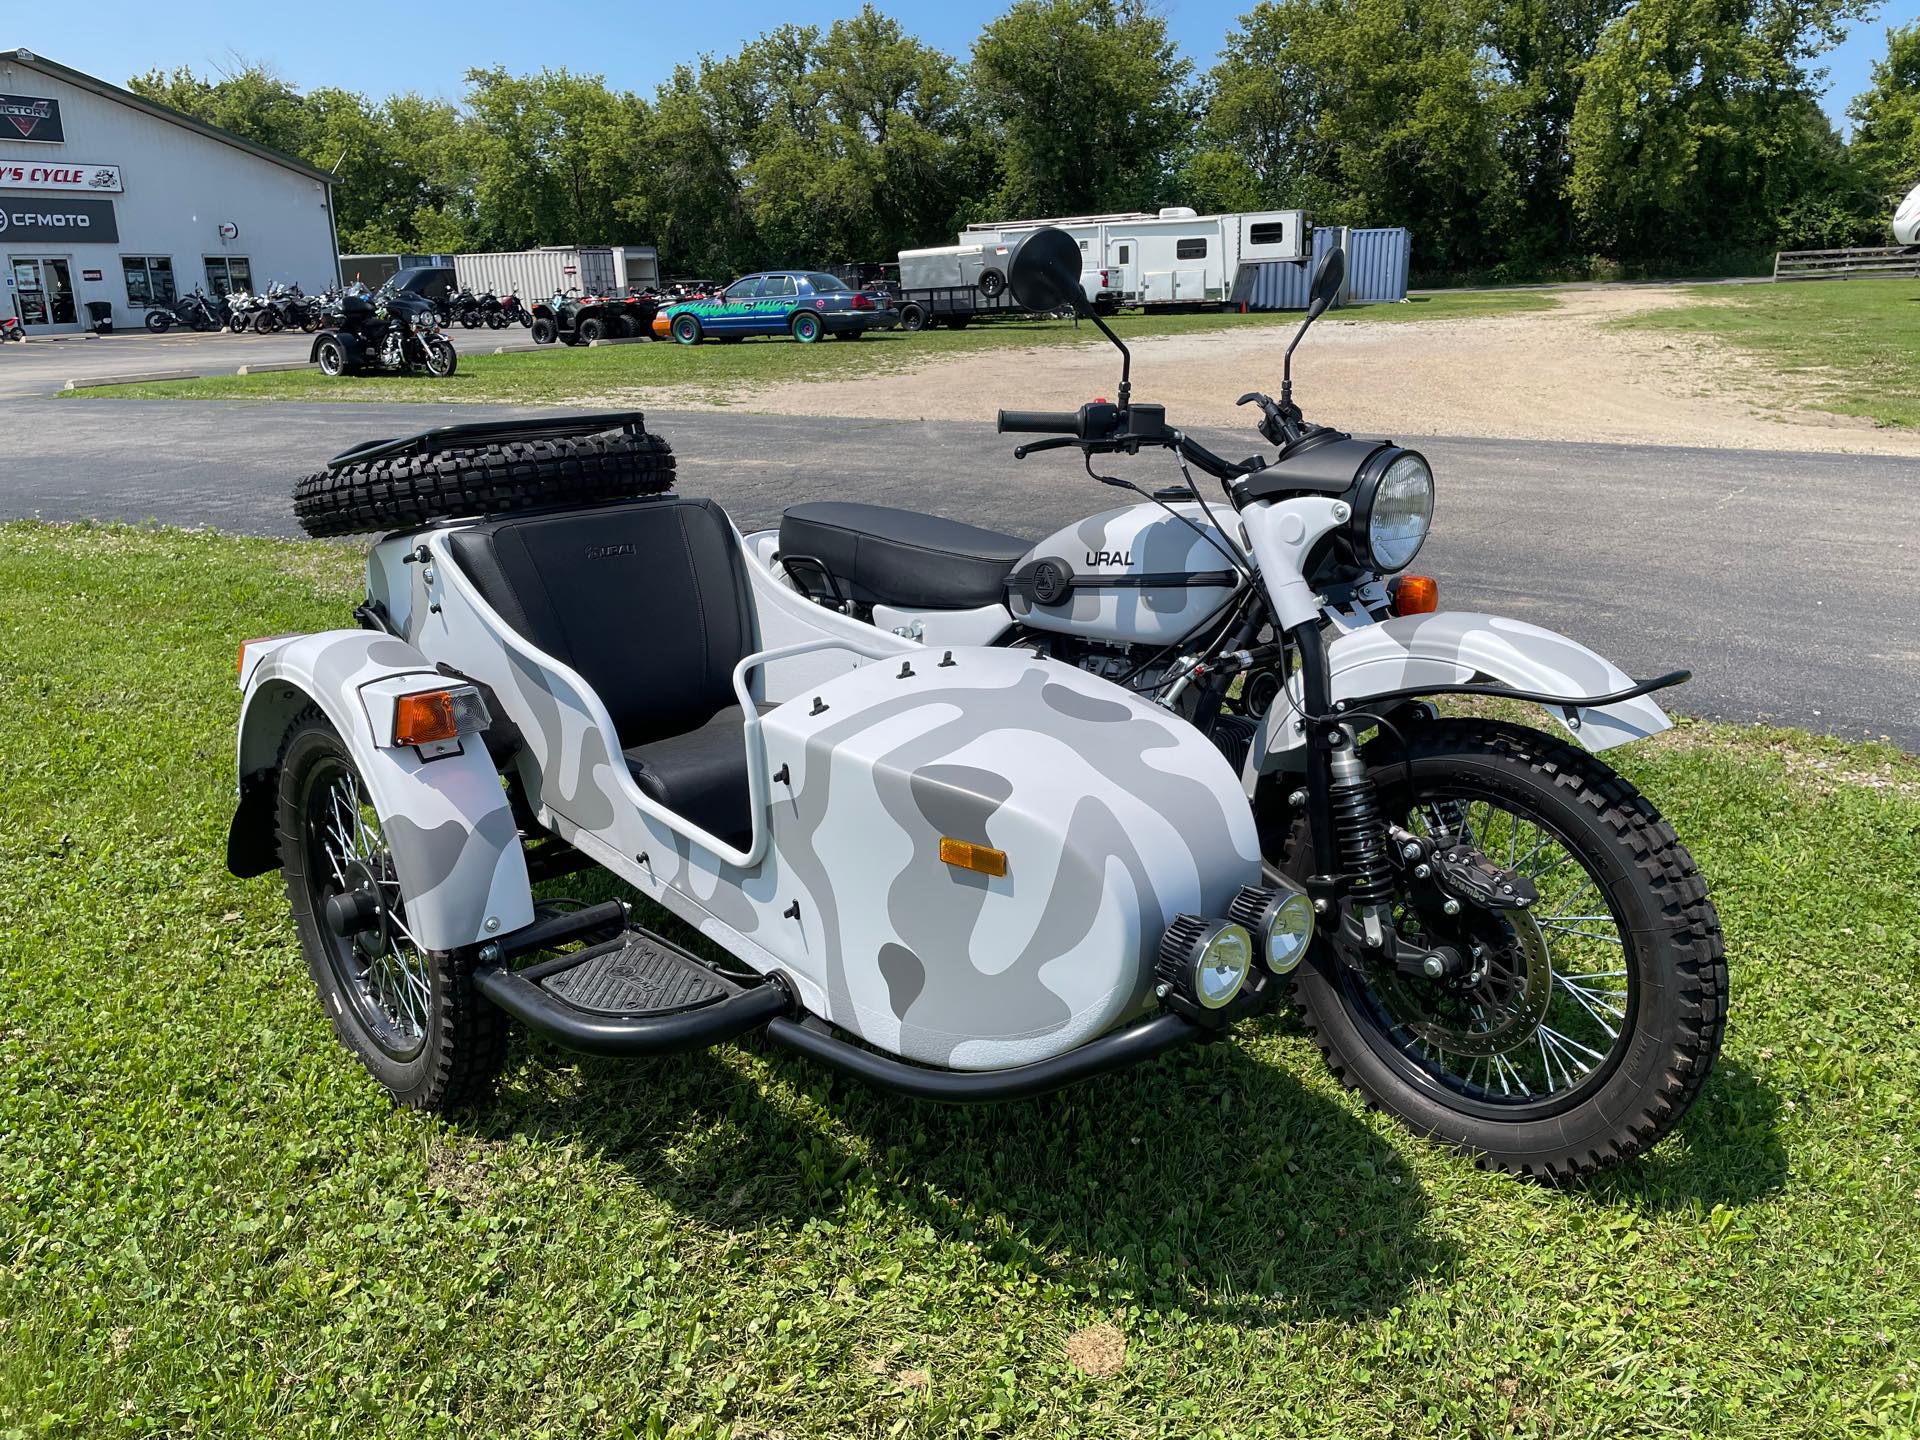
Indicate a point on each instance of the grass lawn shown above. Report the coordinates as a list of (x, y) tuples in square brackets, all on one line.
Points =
[(1854, 343), (714, 371), (212, 1224)]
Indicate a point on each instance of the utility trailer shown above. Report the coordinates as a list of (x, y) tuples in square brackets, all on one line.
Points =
[(1171, 258)]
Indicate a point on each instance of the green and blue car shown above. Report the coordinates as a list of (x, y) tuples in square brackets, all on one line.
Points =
[(802, 303)]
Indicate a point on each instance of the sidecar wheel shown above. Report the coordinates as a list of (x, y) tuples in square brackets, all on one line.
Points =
[(411, 1016), (1595, 1028)]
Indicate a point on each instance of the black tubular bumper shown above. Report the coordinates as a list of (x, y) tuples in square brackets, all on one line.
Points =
[(1114, 1051), (667, 1033)]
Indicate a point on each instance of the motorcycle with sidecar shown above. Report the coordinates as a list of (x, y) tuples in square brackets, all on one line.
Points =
[(965, 817)]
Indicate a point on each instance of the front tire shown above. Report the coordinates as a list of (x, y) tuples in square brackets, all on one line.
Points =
[(442, 361), (685, 330), (1630, 1008), (412, 1017), (545, 332)]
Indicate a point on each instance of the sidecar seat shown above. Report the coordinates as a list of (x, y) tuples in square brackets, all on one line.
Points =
[(885, 556), (648, 602)]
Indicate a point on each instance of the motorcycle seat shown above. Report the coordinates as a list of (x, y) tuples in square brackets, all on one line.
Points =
[(884, 556), (647, 601)]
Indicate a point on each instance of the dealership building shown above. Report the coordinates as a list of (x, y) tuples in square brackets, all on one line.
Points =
[(109, 199)]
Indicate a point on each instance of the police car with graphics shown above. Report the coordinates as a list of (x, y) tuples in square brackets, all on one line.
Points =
[(805, 304)]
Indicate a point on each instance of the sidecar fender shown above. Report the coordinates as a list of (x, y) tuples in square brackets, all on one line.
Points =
[(1452, 648), (455, 844)]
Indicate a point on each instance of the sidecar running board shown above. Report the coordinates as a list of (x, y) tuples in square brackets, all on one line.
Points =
[(636, 994), (1114, 1051)]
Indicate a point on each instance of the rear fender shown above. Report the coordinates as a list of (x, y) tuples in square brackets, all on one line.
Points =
[(1451, 648), (455, 844)]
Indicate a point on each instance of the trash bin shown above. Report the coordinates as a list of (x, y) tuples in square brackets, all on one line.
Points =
[(100, 313)]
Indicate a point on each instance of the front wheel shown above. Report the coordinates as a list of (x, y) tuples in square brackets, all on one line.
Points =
[(411, 1016), (544, 331), (685, 330), (441, 359), (1583, 1027)]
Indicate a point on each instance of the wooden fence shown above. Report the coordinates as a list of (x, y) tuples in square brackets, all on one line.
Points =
[(1884, 260)]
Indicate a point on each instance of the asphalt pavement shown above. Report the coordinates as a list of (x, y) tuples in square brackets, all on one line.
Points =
[(1785, 581), (43, 366)]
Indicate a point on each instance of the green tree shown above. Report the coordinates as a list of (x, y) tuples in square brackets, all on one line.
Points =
[(554, 155), (1087, 105), (1698, 130), (1886, 121), (251, 102), (1364, 112)]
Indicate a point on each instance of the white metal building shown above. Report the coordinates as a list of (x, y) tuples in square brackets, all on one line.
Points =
[(109, 198), (555, 269)]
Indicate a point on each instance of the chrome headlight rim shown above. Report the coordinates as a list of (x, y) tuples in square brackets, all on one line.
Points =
[(1363, 497)]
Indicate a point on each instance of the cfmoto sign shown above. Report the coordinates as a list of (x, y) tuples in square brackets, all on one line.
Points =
[(33, 217)]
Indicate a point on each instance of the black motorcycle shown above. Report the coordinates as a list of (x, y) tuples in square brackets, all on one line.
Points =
[(465, 307), (389, 334), (195, 310)]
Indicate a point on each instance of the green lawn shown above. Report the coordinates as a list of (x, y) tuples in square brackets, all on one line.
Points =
[(720, 372), (1854, 344), (212, 1224)]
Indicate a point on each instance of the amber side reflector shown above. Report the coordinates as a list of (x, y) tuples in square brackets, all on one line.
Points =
[(964, 855), (1416, 595), (424, 719)]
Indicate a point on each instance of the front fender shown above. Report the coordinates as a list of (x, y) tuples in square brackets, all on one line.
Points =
[(455, 845), (1452, 648)]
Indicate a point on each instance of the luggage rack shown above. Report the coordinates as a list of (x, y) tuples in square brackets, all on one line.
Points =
[(493, 432)]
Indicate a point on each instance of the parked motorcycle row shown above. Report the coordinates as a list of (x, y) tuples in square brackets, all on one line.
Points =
[(279, 307), (485, 309)]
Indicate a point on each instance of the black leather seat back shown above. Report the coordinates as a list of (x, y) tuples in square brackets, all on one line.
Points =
[(647, 600)]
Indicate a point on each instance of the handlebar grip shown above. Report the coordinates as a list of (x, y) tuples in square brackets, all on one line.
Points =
[(1040, 422)]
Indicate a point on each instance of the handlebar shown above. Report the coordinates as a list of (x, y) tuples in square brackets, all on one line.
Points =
[(1041, 422)]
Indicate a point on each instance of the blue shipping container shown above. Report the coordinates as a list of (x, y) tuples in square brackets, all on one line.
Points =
[(1376, 270)]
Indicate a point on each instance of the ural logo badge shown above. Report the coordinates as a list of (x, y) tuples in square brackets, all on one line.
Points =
[(603, 552), (1118, 559)]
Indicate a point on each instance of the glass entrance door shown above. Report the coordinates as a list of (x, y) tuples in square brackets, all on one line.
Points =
[(43, 292)]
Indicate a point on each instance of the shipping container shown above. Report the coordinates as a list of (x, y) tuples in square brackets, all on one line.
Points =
[(1376, 271), (541, 274), (636, 267)]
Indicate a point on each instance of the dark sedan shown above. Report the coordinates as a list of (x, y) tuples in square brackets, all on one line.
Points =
[(805, 304)]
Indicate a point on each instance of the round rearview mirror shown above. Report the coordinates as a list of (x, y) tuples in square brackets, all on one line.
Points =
[(1044, 270), (1327, 279)]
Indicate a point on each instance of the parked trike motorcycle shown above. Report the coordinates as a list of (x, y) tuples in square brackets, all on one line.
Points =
[(953, 864), (389, 333)]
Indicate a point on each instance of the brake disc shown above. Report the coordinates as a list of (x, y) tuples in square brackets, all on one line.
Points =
[(1498, 1008)]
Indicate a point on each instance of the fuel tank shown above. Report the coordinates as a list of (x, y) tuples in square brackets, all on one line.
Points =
[(1136, 575)]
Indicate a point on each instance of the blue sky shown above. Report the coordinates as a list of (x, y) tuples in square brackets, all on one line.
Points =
[(429, 48)]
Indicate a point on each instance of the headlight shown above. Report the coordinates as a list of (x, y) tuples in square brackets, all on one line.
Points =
[(1281, 919), (1205, 962), (1392, 509)]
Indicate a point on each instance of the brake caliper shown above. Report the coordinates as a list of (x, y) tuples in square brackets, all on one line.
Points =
[(1459, 895)]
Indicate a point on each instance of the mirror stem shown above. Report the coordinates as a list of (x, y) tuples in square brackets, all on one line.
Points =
[(1126, 356)]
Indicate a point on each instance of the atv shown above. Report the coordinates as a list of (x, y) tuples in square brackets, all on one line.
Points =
[(575, 319)]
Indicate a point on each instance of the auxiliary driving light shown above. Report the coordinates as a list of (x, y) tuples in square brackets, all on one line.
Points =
[(1282, 918), (1205, 962)]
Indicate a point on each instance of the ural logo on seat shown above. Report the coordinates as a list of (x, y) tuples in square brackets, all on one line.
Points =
[(1120, 559), (603, 552)]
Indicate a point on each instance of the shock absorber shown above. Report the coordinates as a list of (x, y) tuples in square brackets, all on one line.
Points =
[(1360, 831)]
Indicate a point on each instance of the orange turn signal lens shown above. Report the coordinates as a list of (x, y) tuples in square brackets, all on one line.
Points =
[(964, 855), (1416, 595), (424, 719)]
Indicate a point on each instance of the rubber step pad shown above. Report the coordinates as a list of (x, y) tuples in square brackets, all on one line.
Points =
[(634, 975)]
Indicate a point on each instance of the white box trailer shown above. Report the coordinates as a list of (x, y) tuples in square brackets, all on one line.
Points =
[(542, 273), (979, 265), (1172, 257)]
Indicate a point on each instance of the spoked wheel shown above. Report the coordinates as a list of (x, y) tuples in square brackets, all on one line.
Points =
[(410, 1015), (1576, 1032)]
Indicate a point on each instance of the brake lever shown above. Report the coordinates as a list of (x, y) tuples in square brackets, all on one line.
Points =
[(1059, 442)]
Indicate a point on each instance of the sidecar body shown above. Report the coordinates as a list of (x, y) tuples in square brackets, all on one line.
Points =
[(969, 859)]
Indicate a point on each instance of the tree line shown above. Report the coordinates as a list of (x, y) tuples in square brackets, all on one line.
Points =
[(1515, 138)]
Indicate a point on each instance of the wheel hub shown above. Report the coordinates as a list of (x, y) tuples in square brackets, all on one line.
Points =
[(1496, 1003), (358, 913)]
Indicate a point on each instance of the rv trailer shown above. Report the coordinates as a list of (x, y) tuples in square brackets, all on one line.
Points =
[(1172, 257)]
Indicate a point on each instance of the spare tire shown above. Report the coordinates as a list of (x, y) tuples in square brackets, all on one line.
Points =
[(397, 492)]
